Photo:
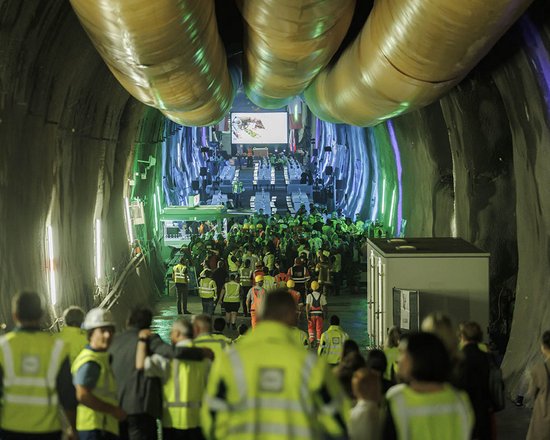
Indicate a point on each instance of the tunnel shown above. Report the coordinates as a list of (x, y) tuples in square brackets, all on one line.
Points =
[(437, 123)]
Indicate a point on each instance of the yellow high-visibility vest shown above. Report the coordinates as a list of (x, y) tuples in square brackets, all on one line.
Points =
[(207, 288), (440, 415), (232, 292), (86, 418), (30, 362), (180, 275), (392, 353), (331, 345), (272, 390), (75, 338), (182, 394), (208, 340), (301, 337)]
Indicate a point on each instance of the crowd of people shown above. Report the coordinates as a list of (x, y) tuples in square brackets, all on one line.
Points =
[(266, 384)]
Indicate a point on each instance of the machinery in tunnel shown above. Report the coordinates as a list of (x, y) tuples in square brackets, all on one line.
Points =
[(436, 134)]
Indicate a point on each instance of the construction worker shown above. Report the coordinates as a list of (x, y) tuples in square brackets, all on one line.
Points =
[(331, 345), (98, 412), (269, 280), (426, 406), (253, 391), (297, 297), (254, 299), (181, 279), (219, 327), (238, 189), (301, 337), (245, 273), (243, 328), (300, 275), (207, 292), (202, 331), (140, 397), (316, 312), (35, 376), (183, 382), (71, 333), (231, 297)]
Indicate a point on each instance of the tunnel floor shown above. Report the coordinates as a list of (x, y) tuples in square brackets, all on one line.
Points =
[(512, 422)]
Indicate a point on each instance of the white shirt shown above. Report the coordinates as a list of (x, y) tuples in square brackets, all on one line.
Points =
[(364, 422), (309, 298)]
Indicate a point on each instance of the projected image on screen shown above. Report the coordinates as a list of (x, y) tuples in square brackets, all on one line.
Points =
[(259, 128)]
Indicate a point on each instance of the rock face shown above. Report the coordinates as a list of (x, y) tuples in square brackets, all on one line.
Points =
[(475, 164)]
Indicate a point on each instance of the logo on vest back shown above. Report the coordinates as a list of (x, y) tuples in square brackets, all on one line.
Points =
[(271, 380), (30, 364)]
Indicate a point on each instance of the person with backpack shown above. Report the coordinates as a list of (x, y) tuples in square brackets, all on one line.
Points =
[(316, 312)]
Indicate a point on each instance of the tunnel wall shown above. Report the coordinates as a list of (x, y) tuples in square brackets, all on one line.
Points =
[(65, 134)]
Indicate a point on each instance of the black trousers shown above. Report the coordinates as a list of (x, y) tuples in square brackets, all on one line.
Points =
[(11, 435), (181, 300), (182, 434), (139, 427)]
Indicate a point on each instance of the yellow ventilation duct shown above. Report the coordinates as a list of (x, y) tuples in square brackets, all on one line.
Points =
[(166, 53), (408, 54), (287, 42)]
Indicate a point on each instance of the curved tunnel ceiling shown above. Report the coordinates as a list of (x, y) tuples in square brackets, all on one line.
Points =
[(169, 54)]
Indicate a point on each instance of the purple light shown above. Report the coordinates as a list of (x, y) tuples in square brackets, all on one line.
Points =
[(539, 55), (395, 147)]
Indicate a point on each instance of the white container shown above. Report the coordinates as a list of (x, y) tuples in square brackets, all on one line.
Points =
[(450, 274)]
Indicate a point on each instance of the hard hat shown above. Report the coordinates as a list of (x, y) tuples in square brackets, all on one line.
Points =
[(259, 226), (96, 318), (245, 226), (314, 285), (290, 284), (259, 278)]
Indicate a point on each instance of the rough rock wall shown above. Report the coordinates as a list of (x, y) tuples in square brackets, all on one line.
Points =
[(63, 153)]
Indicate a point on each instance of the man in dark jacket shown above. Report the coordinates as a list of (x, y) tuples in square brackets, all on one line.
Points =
[(473, 377), (139, 396)]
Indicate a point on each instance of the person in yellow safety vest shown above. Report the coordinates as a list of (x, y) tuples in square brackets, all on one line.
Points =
[(71, 333), (245, 272), (202, 330), (233, 262), (243, 328), (254, 299), (253, 391), (219, 327), (35, 376), (98, 412), (269, 280), (184, 382), (231, 297), (181, 280), (391, 351), (426, 407), (300, 337), (332, 341), (316, 312), (207, 292)]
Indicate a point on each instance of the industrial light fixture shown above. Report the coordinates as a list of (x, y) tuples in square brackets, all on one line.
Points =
[(98, 251), (128, 219), (51, 265)]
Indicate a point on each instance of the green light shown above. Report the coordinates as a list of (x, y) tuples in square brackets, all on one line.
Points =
[(159, 199), (156, 211), (392, 209), (383, 196)]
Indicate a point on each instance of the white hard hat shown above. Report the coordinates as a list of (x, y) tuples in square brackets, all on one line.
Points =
[(96, 318)]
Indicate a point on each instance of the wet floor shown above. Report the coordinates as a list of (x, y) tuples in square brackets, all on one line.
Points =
[(512, 422)]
